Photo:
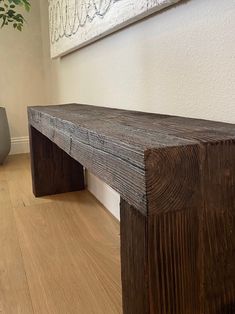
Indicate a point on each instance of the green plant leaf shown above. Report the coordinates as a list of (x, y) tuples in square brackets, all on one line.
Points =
[(10, 13)]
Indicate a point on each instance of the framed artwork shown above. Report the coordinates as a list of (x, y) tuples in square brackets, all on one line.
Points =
[(76, 23)]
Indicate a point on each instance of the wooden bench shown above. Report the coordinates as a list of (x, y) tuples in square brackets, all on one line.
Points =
[(176, 178)]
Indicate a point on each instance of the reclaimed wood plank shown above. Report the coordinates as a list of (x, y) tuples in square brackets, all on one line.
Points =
[(134, 260), (218, 228), (53, 170), (176, 178)]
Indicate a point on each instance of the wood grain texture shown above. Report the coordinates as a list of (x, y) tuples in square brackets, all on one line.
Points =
[(113, 143), (218, 229), (58, 254), (174, 269), (173, 179), (159, 261), (14, 290), (176, 177), (15, 172), (53, 170), (134, 259), (191, 227), (70, 249)]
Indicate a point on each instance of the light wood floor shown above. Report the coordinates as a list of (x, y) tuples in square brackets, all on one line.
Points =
[(58, 254)]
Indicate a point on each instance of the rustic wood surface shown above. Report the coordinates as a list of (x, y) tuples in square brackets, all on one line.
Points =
[(176, 178), (218, 227), (135, 283), (61, 173), (114, 144)]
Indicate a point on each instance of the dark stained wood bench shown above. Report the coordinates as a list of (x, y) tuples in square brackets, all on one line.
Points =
[(176, 178)]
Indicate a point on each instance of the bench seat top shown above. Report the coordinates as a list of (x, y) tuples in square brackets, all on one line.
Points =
[(116, 144)]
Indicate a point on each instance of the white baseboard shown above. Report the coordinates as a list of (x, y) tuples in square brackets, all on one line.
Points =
[(104, 193), (19, 145)]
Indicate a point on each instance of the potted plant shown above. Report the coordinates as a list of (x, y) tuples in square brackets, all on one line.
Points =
[(10, 14), (5, 141)]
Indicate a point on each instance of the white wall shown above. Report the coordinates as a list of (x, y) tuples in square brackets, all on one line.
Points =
[(21, 74), (180, 61)]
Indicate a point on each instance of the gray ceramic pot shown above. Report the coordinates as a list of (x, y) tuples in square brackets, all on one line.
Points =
[(5, 140)]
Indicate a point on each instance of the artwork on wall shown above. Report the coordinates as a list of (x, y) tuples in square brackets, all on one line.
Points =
[(76, 23)]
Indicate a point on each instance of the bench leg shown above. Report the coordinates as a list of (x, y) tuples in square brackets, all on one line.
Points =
[(183, 262), (53, 170), (134, 260), (159, 262)]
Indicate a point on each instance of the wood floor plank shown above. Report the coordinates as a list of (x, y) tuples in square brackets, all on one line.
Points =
[(2, 173), (70, 249), (18, 175), (14, 290), (4, 194), (59, 254)]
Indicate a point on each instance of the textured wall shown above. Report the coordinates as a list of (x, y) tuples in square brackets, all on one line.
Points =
[(180, 61), (21, 74), (83, 22)]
